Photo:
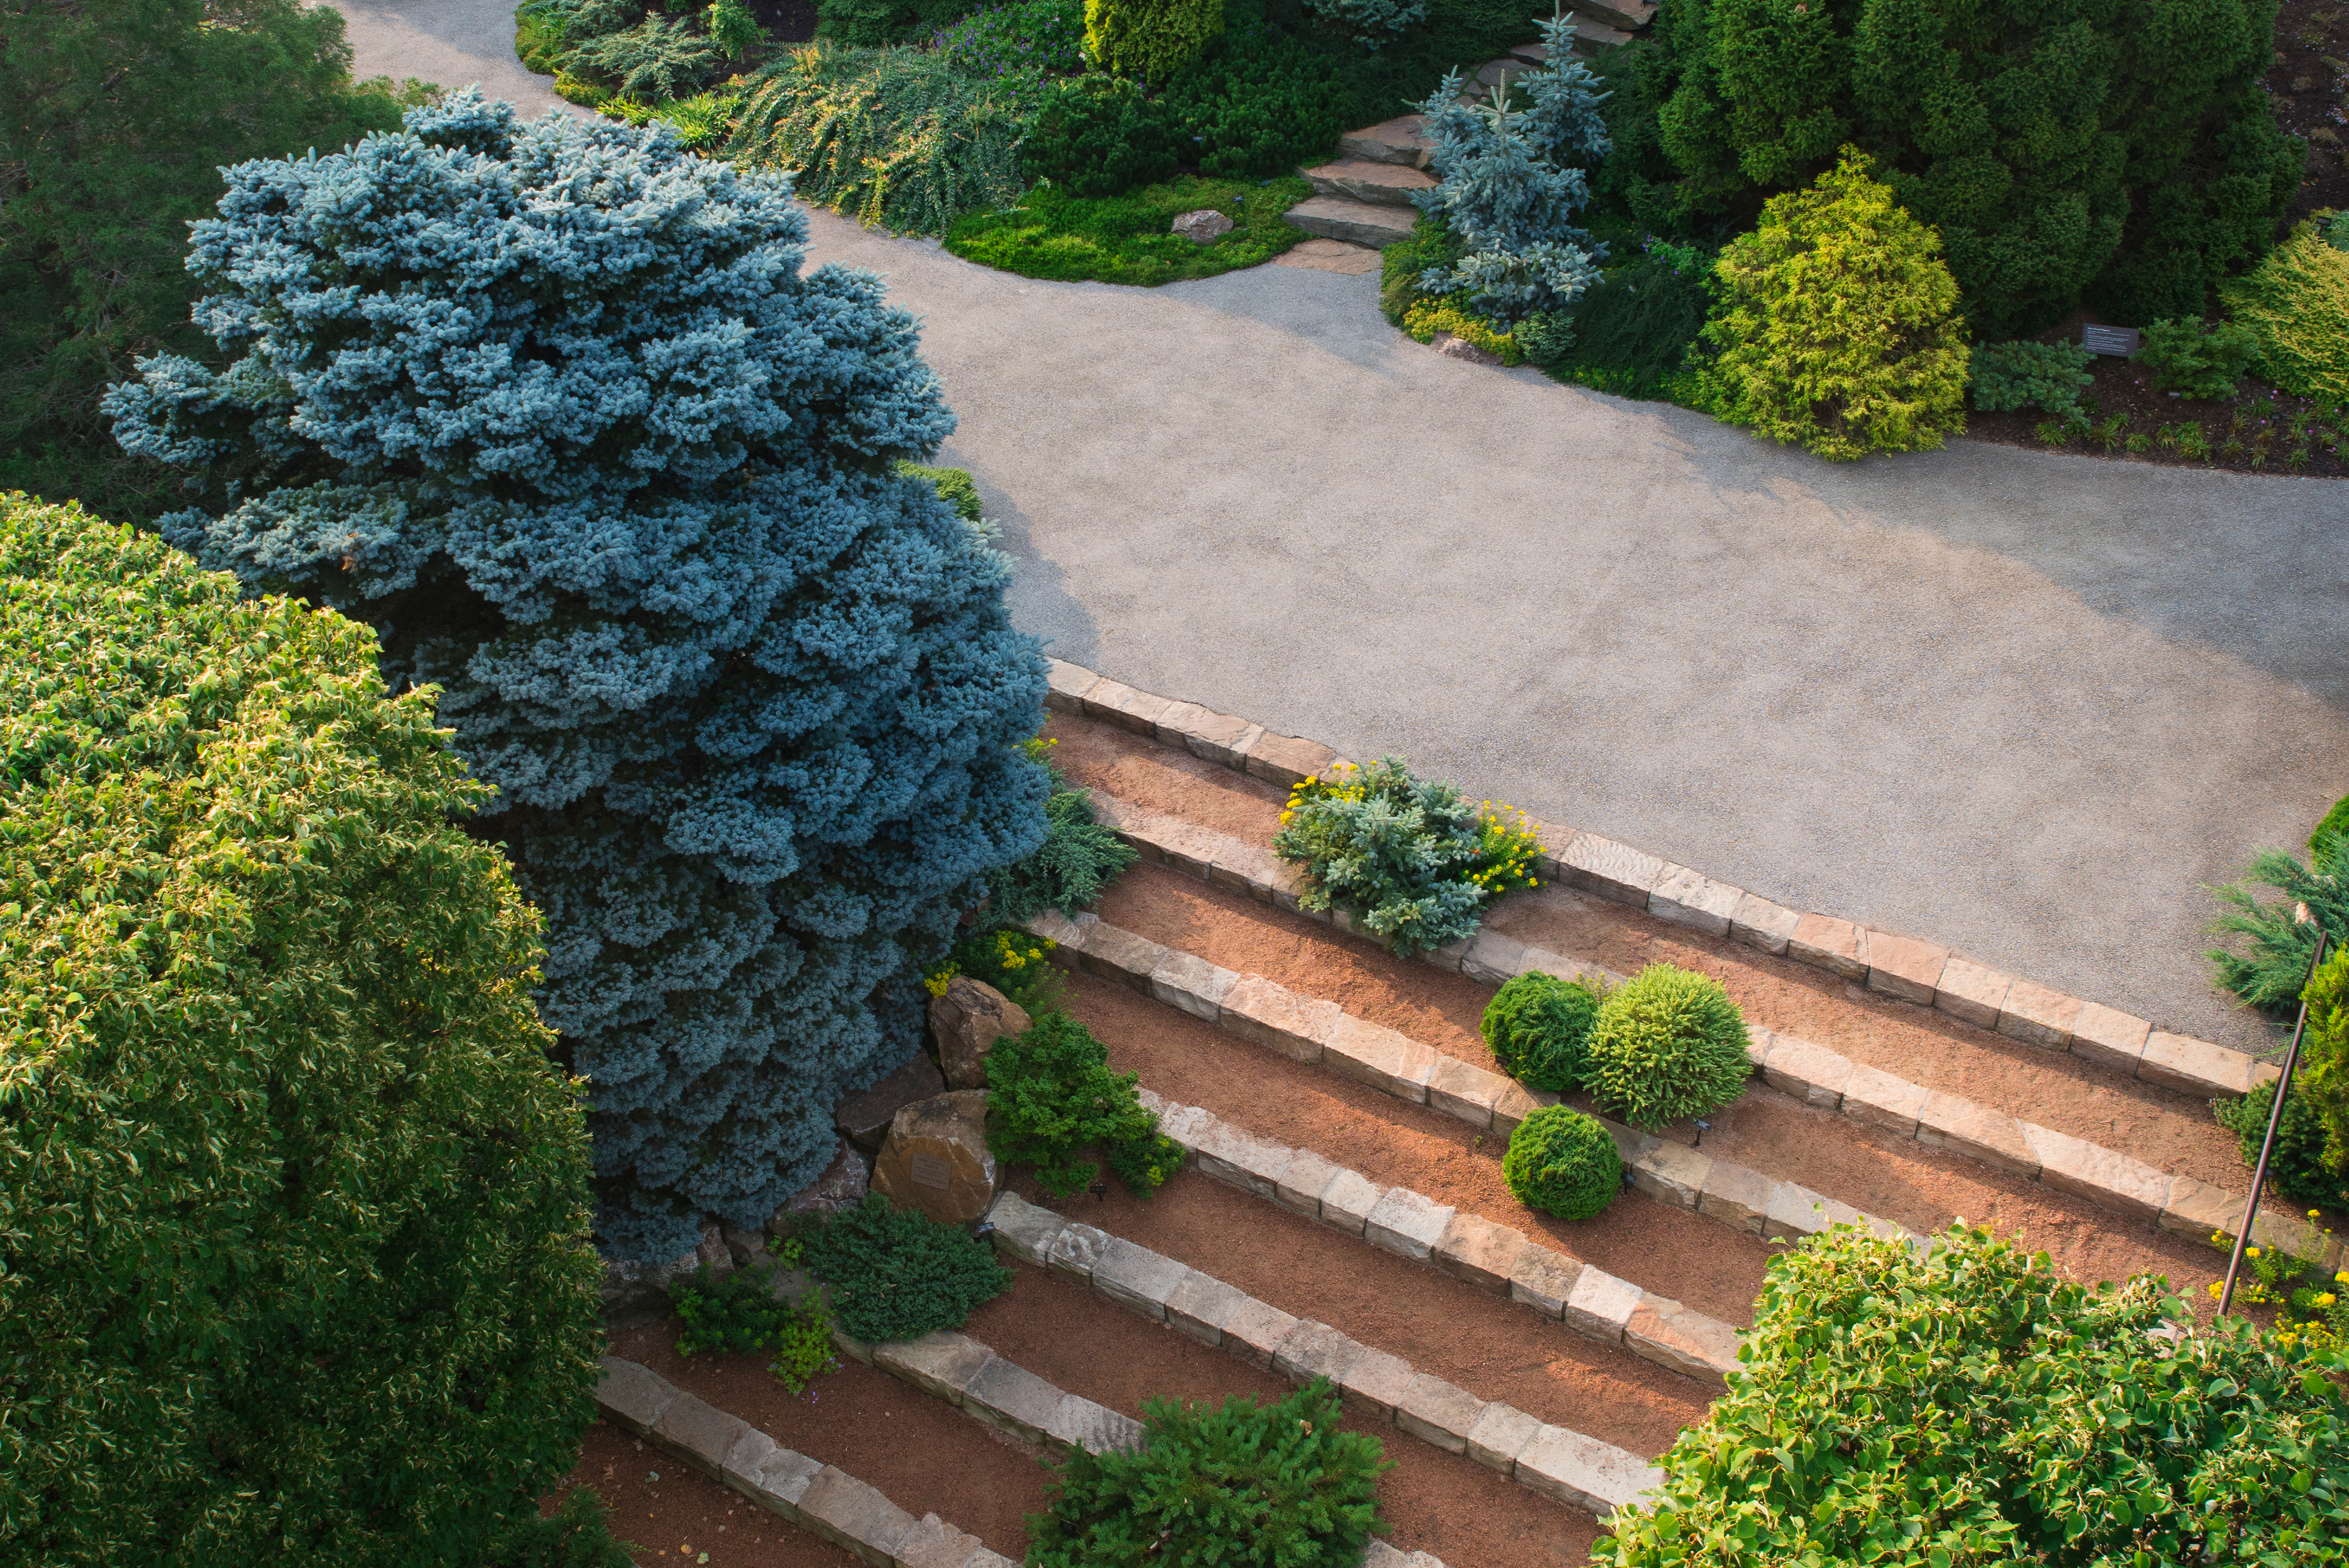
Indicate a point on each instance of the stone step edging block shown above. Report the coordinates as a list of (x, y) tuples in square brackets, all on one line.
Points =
[(1601, 1478), (1908, 968)]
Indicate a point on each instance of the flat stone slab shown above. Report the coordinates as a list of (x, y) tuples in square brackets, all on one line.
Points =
[(1949, 1121), (1543, 1279), (1684, 897), (1760, 923), (1480, 1251), (1136, 1277), (1329, 256), (1879, 1099), (1797, 1212), (1671, 1173), (699, 1433), (1349, 1201), (1390, 1062), (1302, 1181), (1611, 869), (1812, 1074), (1201, 1304), (1285, 760), (1400, 140), (934, 1544), (943, 1364), (1407, 1224), (634, 1395), (2198, 1066), (1599, 1305), (1669, 1334), (1024, 1230), (1500, 1435), (2039, 1016), (854, 1517), (1438, 1412), (1825, 942), (1377, 1382), (1255, 1330), (2110, 1038), (1075, 1250), (1316, 1350), (1239, 1159), (782, 1480), (1192, 983), (1014, 1400), (1276, 1018), (1737, 1196), (2114, 1180), (1583, 1472), (1081, 1424), (1905, 967), (1972, 992), (1368, 179)]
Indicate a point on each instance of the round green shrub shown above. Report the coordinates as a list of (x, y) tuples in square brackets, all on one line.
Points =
[(1563, 1164), (1539, 1027), (1668, 1045), (2297, 1168)]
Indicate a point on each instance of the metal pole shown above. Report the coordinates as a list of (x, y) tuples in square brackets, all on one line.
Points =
[(2275, 1119)]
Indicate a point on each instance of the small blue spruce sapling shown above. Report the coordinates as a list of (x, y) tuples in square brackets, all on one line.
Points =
[(555, 409), (1511, 181)]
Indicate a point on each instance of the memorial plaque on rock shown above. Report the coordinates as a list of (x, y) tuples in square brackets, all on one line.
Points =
[(864, 1118), (2117, 342), (936, 1159)]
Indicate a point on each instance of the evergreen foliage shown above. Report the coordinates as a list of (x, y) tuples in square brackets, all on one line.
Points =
[(1510, 181), (1051, 1095), (2296, 1167), (1073, 867), (1538, 1026), (2323, 1080), (2107, 149), (120, 117), (1243, 1486), (2201, 361), (1370, 22), (1149, 40), (1564, 1163), (1097, 135), (2045, 375), (1667, 1044), (2270, 974), (733, 28), (1635, 328), (613, 471), (869, 24), (954, 486), (897, 1273), (2333, 825), (1031, 36), (651, 61), (742, 1311), (1976, 1407), (2295, 307), (1128, 238), (1407, 860), (577, 1534), (1835, 324), (899, 138), (294, 1211)]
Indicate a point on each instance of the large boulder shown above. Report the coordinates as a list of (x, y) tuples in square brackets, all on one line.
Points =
[(842, 1186), (967, 1018), (863, 1119), (936, 1159)]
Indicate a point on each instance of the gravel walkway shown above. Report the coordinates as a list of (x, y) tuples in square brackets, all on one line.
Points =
[(2025, 704)]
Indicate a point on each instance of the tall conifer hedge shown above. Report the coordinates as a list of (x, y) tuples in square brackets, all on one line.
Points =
[(556, 408), (293, 1254)]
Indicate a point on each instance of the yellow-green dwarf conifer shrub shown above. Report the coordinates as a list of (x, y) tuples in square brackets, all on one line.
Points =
[(292, 1206), (1836, 325), (603, 462), (1149, 40), (1974, 1408), (2295, 305)]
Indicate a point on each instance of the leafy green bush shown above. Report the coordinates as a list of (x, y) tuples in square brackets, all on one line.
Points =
[(1835, 323), (733, 27), (1129, 239), (1074, 865), (2296, 1168), (1431, 244), (1259, 102), (2270, 975), (1011, 960), (738, 1312), (1563, 1164), (1029, 35), (954, 486), (1406, 859), (1634, 327), (125, 114), (897, 1273), (2202, 362), (2295, 305), (1668, 1045), (1539, 1028), (872, 23), (1051, 1095), (296, 1206), (1244, 1486), (2047, 376), (1149, 40), (2334, 825), (1097, 135), (2323, 1081), (892, 137), (577, 1534), (1976, 1407)]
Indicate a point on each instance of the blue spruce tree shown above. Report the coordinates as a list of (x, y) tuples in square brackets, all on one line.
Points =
[(553, 408)]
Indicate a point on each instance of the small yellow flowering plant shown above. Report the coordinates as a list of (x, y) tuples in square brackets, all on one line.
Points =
[(1408, 861), (1014, 962), (2311, 1307)]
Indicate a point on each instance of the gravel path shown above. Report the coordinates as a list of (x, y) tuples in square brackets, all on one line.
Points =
[(2025, 704)]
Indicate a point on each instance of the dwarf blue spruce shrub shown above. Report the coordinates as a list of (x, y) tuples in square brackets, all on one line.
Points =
[(1512, 181), (555, 409)]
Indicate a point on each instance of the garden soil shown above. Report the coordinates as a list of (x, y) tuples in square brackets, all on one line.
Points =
[(669, 1514)]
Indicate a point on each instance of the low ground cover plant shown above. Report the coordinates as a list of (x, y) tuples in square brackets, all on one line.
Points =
[(1633, 331), (1835, 323), (1667, 1044), (1563, 1164), (1052, 1095), (1974, 1406), (2044, 375), (1538, 1028), (1046, 36), (897, 1273), (2189, 355), (739, 1313), (1127, 238), (1405, 859), (1015, 962), (1241, 1485), (1074, 865)]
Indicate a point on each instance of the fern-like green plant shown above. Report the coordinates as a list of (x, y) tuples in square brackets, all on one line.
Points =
[(1051, 1094), (2269, 975), (1071, 868), (1668, 1045), (1241, 1486), (1407, 860), (895, 137)]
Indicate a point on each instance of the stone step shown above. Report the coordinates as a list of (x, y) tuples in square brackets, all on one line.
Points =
[(1357, 222), (1393, 142), (1365, 180), (1629, 16)]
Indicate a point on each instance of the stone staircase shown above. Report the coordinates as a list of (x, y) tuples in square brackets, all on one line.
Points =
[(1363, 197)]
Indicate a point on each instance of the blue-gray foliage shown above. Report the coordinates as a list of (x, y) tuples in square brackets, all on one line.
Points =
[(1372, 22), (554, 408), (1511, 181)]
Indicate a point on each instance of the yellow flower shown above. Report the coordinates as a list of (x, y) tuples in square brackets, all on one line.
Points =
[(2251, 1252), (2325, 1300)]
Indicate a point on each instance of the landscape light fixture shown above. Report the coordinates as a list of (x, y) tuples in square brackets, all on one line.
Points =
[(2275, 1116), (1099, 1190), (1703, 1127), (981, 1229)]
